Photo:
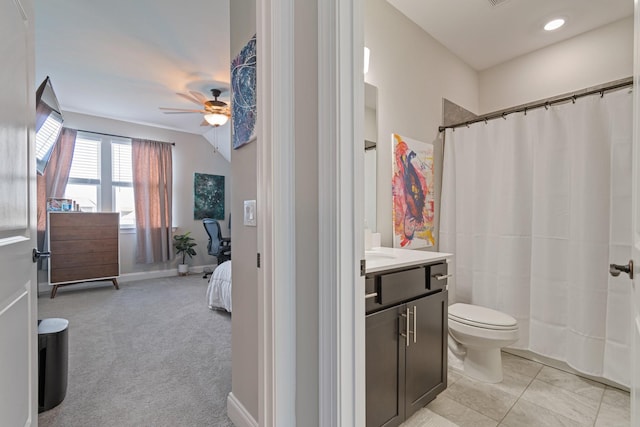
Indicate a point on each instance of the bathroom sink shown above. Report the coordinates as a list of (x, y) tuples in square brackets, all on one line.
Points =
[(371, 255)]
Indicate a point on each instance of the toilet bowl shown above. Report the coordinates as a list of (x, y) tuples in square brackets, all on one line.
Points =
[(476, 335)]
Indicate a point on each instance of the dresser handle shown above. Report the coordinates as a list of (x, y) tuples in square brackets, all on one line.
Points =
[(371, 295), (442, 276), (408, 328), (415, 330)]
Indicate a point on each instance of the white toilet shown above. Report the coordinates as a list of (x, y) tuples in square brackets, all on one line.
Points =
[(476, 335)]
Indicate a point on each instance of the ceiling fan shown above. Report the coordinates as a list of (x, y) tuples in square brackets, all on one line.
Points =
[(216, 113)]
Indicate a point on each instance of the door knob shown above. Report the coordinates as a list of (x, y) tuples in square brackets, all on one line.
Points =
[(36, 255), (615, 269)]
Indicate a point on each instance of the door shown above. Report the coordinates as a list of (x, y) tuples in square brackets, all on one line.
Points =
[(18, 317), (385, 357), (426, 358), (635, 252)]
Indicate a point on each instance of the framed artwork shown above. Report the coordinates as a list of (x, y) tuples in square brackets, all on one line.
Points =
[(208, 196), (413, 193), (243, 98)]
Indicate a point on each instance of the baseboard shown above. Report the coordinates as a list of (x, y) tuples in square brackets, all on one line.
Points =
[(45, 289), (562, 366), (144, 275), (238, 413), (200, 268)]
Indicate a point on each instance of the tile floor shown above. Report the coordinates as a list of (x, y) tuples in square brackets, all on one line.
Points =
[(530, 395)]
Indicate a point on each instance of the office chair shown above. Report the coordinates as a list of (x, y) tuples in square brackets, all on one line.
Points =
[(219, 247)]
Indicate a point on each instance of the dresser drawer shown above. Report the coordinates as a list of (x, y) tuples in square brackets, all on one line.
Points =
[(437, 276), (402, 285)]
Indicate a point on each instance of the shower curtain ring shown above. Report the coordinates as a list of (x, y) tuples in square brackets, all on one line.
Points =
[(525, 111), (486, 122), (467, 124), (573, 99), (546, 105), (504, 115), (602, 94)]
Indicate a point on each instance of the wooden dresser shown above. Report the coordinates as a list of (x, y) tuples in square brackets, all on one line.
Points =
[(84, 247)]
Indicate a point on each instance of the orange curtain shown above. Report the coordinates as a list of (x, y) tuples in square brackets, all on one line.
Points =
[(55, 178), (152, 191)]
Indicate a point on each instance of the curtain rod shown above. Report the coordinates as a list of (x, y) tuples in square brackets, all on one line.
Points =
[(503, 114), (117, 136)]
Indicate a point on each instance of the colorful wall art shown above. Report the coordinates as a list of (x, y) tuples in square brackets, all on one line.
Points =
[(413, 193), (243, 99), (208, 196)]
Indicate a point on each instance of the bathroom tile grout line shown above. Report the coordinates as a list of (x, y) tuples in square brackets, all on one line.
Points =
[(542, 366), (576, 375), (555, 386), (519, 397), (600, 400)]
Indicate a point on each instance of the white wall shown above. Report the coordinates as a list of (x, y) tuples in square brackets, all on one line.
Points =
[(244, 324), (598, 56), (370, 125), (305, 76), (412, 72), (220, 139), (192, 153)]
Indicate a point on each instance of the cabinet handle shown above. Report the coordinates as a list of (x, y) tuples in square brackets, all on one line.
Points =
[(406, 336), (442, 276), (415, 330), (371, 295)]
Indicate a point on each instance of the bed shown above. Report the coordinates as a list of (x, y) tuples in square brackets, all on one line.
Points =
[(219, 289)]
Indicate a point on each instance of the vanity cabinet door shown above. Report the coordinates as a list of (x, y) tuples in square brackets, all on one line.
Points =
[(385, 360), (426, 358)]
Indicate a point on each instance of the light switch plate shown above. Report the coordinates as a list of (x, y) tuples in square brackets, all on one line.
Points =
[(250, 213)]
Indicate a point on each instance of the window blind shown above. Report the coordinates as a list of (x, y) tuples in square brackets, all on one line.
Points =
[(86, 161), (121, 169), (46, 136)]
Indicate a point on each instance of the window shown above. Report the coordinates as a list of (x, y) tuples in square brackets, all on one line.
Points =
[(100, 179), (122, 183), (46, 138)]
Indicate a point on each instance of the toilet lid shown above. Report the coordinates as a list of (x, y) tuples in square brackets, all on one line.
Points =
[(482, 317)]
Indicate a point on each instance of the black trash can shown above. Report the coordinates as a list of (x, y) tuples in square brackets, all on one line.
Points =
[(53, 362)]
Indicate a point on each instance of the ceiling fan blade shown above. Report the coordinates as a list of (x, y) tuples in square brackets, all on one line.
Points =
[(182, 110), (197, 95), (190, 98)]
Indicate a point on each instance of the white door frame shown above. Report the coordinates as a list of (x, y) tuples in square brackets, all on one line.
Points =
[(276, 214), (341, 173), (635, 234), (341, 167)]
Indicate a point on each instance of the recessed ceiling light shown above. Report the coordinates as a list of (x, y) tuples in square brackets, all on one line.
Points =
[(554, 24)]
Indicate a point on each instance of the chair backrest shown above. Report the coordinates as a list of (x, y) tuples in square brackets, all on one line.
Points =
[(212, 227)]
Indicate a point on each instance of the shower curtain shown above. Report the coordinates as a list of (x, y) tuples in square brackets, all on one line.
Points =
[(534, 208)]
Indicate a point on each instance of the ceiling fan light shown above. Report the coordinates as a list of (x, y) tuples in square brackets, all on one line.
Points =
[(216, 119), (554, 24)]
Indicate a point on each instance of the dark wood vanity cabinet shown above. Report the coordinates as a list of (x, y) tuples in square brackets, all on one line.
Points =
[(406, 344)]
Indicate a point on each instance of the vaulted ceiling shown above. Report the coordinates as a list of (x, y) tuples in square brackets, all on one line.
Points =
[(124, 59)]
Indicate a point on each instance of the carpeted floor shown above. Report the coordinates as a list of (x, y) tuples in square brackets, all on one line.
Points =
[(149, 354)]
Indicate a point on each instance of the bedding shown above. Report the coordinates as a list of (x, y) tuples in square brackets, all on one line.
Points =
[(219, 290)]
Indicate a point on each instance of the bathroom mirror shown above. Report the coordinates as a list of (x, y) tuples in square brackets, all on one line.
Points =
[(370, 155)]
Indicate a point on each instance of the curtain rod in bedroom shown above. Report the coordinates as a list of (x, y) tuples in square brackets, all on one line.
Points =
[(552, 101), (117, 136)]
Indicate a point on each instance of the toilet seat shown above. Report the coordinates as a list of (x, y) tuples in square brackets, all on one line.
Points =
[(481, 317)]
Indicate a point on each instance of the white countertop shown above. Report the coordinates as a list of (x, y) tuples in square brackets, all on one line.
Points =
[(380, 258)]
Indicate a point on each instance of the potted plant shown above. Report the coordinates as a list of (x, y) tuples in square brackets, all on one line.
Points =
[(184, 244)]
